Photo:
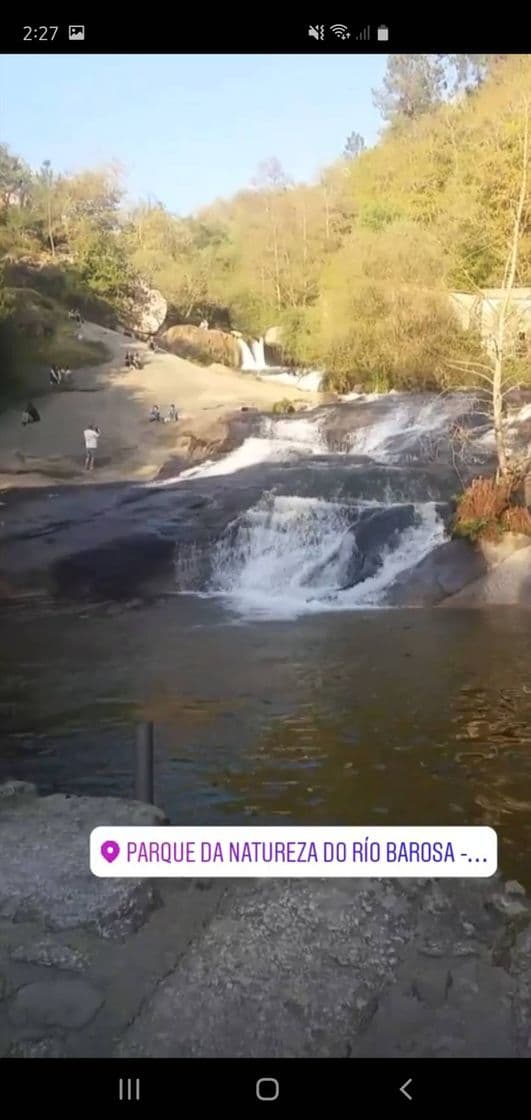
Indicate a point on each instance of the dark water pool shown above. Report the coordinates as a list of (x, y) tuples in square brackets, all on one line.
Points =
[(417, 717)]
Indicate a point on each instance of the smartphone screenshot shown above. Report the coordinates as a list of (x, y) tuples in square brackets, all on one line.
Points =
[(265, 562)]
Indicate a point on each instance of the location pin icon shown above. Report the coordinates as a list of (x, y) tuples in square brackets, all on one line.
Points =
[(110, 850)]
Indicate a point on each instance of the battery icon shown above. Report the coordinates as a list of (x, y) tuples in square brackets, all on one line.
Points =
[(382, 34)]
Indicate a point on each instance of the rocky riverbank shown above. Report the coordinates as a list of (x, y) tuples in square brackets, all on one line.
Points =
[(92, 967)]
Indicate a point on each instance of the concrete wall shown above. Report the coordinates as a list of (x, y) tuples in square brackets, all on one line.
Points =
[(481, 311)]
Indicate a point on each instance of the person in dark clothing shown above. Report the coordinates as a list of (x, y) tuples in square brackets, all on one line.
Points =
[(151, 344), (155, 413), (30, 414), (55, 379)]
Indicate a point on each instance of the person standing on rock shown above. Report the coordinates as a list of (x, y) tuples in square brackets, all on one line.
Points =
[(91, 436)]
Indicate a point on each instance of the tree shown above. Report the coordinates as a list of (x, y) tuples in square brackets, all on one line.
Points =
[(498, 387), (105, 268), (46, 176), (412, 86), (354, 146), (466, 72), (15, 180), (496, 373)]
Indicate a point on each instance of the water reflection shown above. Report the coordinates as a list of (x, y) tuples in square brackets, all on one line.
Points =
[(395, 717)]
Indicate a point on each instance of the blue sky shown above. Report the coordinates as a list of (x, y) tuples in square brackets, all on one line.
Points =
[(187, 128)]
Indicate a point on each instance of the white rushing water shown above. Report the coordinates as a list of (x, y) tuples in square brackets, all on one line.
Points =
[(403, 424), (254, 361), (282, 440), (291, 555), (296, 554), (248, 362)]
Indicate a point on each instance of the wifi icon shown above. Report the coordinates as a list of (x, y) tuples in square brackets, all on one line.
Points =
[(340, 31)]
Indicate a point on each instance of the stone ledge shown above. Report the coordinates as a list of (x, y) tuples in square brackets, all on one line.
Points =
[(45, 874)]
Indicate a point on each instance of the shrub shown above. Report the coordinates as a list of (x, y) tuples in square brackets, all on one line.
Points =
[(485, 510), (517, 519), (283, 406)]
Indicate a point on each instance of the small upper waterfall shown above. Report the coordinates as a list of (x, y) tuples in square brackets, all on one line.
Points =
[(254, 361), (248, 362), (253, 356), (258, 349)]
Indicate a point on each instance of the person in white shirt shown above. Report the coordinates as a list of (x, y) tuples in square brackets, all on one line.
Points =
[(91, 436)]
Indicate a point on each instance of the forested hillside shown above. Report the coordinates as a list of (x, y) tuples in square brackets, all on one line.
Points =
[(354, 267)]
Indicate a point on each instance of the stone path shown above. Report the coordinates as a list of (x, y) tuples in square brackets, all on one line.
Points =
[(342, 968)]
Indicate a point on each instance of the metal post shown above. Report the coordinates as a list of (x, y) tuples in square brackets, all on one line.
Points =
[(144, 764)]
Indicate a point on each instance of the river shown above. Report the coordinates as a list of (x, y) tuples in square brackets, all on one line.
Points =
[(369, 717), (282, 685)]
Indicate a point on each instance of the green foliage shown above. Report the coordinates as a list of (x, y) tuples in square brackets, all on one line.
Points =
[(354, 269), (105, 269), (283, 407)]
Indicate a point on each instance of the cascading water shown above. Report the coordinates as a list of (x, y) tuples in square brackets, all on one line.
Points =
[(354, 495), (411, 425), (248, 363), (254, 361), (294, 554), (253, 356), (258, 351)]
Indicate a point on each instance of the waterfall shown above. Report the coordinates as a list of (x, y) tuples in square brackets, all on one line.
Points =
[(253, 356), (258, 350), (254, 361), (289, 555), (248, 362)]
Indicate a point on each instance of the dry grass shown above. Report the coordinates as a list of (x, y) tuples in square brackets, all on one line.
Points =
[(486, 510), (517, 519)]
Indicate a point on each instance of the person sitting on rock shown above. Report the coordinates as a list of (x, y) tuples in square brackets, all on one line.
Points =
[(151, 344), (137, 361), (30, 414), (172, 415), (155, 413), (54, 376)]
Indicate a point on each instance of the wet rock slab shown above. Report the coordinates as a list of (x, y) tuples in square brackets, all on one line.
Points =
[(338, 969), (44, 874), (445, 571)]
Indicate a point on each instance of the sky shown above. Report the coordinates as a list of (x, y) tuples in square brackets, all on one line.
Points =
[(187, 129)]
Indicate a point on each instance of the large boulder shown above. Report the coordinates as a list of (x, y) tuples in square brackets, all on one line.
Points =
[(507, 584), (148, 310), (204, 347), (447, 569), (375, 533)]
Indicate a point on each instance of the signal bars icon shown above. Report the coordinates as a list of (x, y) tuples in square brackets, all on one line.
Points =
[(364, 35)]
